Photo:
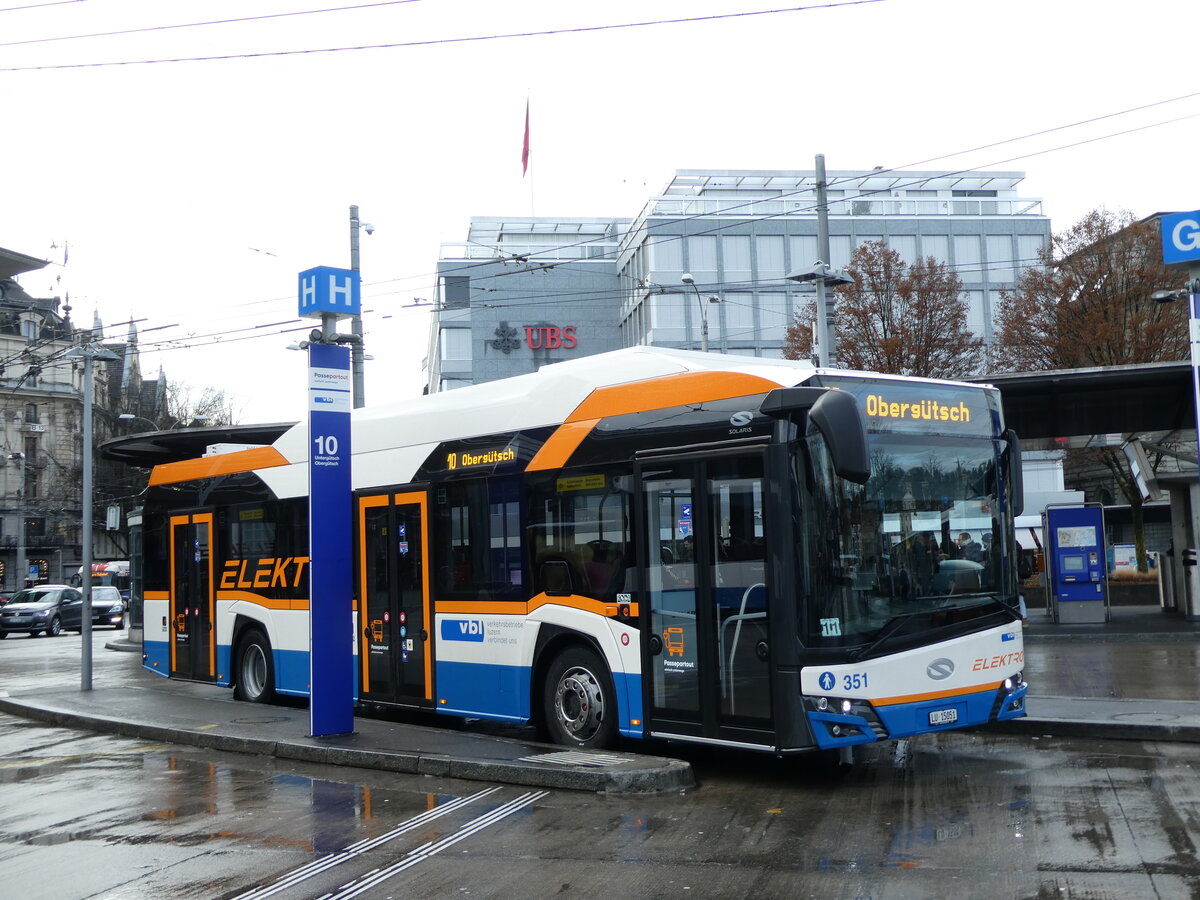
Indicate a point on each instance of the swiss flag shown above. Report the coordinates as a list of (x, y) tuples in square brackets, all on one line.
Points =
[(525, 146)]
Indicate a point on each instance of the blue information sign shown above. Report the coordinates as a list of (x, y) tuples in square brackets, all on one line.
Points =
[(1181, 237), (328, 291), (331, 641)]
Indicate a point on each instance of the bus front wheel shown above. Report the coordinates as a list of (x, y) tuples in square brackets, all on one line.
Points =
[(255, 670), (579, 704)]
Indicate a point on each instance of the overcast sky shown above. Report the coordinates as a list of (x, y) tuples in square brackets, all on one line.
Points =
[(192, 192)]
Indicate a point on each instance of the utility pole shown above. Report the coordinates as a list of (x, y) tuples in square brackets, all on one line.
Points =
[(823, 275), (22, 563), (356, 329), (88, 351), (826, 330)]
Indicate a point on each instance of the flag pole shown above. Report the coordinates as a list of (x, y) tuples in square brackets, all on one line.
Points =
[(525, 159)]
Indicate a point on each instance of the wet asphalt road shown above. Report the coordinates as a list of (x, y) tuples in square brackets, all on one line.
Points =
[(955, 814)]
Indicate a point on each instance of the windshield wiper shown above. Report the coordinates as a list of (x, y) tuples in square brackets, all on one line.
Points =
[(885, 634)]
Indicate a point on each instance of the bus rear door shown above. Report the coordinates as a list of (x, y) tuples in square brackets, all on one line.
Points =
[(395, 653), (193, 653), (707, 652)]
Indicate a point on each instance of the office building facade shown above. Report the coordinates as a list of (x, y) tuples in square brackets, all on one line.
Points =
[(523, 292)]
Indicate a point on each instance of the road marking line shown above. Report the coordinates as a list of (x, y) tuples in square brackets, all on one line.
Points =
[(54, 759), (428, 850), (296, 876)]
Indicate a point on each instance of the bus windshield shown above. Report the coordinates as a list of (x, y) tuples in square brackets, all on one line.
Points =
[(912, 544)]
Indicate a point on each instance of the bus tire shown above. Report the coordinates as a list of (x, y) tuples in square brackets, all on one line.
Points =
[(579, 707), (254, 679)]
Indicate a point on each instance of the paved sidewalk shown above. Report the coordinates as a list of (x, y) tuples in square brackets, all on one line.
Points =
[(1137, 677)]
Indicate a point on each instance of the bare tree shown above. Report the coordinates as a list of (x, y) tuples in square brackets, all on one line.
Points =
[(896, 318), (1088, 304), (211, 406)]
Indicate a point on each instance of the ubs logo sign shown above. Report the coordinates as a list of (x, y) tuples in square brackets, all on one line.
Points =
[(537, 337), (550, 337)]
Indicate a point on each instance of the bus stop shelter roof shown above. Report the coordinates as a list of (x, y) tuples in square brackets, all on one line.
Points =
[(151, 448), (1108, 400)]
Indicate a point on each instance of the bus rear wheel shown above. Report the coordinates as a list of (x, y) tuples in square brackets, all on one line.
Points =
[(255, 682), (578, 702)]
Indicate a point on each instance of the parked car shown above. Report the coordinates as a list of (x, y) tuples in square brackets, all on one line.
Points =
[(107, 608), (45, 609)]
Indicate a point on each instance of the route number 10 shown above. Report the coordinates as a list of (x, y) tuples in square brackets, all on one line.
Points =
[(327, 445)]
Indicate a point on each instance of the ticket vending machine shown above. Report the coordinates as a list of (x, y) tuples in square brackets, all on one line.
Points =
[(1076, 563)]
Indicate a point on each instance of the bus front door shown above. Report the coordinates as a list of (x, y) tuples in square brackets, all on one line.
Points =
[(707, 654), (193, 652), (394, 650)]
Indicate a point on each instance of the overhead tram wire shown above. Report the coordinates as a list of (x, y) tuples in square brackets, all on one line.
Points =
[(4, 9), (158, 28), (584, 29), (783, 196)]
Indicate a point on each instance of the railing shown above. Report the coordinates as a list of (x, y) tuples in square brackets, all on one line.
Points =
[(585, 248), (804, 206)]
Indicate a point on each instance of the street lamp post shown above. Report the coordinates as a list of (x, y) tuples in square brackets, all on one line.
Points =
[(689, 280), (823, 275), (88, 351), (21, 563)]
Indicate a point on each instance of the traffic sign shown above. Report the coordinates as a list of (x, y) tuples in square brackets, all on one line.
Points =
[(328, 291), (1181, 237)]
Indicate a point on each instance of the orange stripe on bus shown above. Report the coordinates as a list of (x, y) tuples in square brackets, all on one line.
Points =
[(641, 396), (220, 464), (519, 608), (300, 603), (936, 695), (663, 393), (560, 445)]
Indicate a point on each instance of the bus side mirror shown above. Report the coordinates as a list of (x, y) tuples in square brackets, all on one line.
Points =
[(1016, 477), (837, 416)]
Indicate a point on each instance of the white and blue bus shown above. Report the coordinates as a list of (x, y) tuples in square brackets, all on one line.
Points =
[(646, 543)]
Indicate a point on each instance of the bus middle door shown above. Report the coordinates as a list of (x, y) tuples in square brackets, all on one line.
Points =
[(395, 651), (707, 653), (192, 600)]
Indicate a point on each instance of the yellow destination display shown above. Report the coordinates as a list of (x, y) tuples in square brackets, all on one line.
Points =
[(466, 459), (879, 407)]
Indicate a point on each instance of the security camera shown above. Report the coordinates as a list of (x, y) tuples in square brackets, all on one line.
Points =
[(368, 228)]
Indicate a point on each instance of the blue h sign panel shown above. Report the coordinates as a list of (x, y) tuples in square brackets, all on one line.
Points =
[(331, 622), (1181, 238), (328, 291)]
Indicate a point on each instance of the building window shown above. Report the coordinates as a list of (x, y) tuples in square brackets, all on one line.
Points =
[(29, 330), (31, 414), (456, 344), (456, 291)]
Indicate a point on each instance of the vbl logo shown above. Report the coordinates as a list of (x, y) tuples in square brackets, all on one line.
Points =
[(462, 630)]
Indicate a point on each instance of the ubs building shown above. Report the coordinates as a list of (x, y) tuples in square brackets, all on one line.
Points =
[(523, 292)]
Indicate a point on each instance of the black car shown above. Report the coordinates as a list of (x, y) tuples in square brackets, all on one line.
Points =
[(107, 609), (45, 609)]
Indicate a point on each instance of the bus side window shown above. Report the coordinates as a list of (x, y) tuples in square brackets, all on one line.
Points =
[(581, 522)]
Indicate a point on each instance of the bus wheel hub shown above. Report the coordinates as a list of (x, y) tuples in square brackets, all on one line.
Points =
[(580, 702)]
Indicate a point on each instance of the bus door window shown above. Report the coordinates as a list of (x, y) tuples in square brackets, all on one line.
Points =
[(378, 669), (740, 591), (192, 596), (394, 591), (671, 591)]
